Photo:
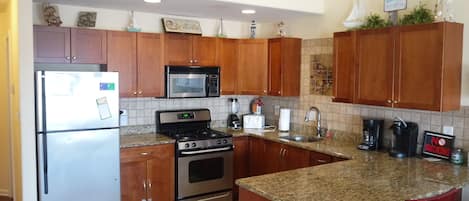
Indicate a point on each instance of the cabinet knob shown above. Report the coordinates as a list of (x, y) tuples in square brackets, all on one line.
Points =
[(265, 91), (135, 93), (389, 101), (74, 58), (196, 61), (140, 92), (67, 57), (191, 61), (278, 92), (395, 102), (145, 153)]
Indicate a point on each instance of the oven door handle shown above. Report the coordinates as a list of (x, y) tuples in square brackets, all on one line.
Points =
[(205, 151), (215, 197)]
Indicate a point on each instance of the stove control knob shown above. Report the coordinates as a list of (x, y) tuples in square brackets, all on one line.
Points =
[(187, 145), (218, 141), (225, 141), (193, 144)]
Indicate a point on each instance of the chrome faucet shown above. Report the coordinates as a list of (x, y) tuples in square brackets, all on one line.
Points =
[(318, 119)]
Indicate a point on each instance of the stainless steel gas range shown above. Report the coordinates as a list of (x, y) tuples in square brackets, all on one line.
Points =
[(204, 157)]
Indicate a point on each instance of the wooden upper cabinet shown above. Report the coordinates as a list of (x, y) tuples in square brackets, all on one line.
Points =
[(228, 60), (69, 45), (122, 58), (150, 78), (204, 51), (51, 44), (284, 66), (253, 66), (178, 49), (88, 46), (275, 67), (428, 67), (375, 65), (344, 67), (185, 49)]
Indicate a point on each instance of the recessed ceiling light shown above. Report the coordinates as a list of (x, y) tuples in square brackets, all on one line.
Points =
[(248, 11), (152, 1)]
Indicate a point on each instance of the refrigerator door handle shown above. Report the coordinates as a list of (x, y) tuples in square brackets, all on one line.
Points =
[(44, 132)]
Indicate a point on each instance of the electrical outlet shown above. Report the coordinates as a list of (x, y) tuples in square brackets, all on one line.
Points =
[(277, 110), (448, 130), (124, 118)]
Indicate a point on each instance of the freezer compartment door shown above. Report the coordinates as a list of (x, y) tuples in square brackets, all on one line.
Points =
[(80, 166), (77, 100)]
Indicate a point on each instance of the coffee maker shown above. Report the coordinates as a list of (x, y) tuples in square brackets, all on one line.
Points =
[(404, 141), (372, 134), (233, 121)]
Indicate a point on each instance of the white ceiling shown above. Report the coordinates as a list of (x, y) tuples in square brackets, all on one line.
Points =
[(228, 9)]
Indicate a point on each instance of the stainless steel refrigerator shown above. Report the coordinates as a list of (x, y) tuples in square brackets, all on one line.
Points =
[(78, 136)]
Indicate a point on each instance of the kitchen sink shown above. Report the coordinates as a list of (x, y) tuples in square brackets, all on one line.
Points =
[(300, 138)]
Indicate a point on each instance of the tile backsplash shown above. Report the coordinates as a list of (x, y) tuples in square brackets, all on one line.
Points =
[(141, 111), (348, 117)]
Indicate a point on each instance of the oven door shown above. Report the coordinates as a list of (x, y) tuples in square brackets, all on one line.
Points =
[(187, 85), (204, 173)]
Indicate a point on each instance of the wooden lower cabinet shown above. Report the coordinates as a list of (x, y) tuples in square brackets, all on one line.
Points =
[(245, 195), (320, 159), (147, 173), (240, 161), (257, 149)]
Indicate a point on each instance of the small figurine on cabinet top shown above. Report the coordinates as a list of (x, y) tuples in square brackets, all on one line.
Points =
[(51, 15)]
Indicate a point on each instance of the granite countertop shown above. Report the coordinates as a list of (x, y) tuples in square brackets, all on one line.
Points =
[(139, 140), (367, 176)]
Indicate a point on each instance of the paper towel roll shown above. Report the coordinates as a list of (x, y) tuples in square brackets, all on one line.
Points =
[(284, 120)]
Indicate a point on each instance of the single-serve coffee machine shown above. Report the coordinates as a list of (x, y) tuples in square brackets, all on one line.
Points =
[(404, 140), (372, 134)]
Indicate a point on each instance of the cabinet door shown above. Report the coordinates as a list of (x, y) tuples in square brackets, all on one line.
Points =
[(133, 181), (257, 157), (240, 161), (228, 54), (88, 46), (344, 67), (319, 159), (273, 157), (161, 174), (291, 67), (275, 67), (418, 79), (204, 51), (122, 58), (295, 158), (150, 76), (178, 49), (51, 44), (252, 67), (375, 67)]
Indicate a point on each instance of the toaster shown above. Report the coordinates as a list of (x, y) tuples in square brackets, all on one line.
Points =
[(253, 121)]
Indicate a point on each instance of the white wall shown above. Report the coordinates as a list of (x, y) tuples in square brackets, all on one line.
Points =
[(149, 22), (337, 10), (312, 6)]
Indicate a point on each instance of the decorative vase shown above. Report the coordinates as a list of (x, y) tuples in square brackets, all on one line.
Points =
[(281, 29), (132, 23), (444, 11), (221, 31), (355, 19), (253, 29)]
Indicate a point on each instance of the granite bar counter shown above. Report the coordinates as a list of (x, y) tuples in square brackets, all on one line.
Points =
[(366, 176)]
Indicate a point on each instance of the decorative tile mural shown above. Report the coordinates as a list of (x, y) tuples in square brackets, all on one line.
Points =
[(317, 56), (321, 74)]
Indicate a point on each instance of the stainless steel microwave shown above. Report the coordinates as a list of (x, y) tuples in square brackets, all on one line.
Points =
[(192, 82)]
